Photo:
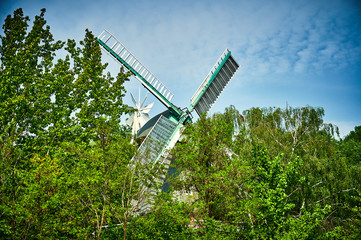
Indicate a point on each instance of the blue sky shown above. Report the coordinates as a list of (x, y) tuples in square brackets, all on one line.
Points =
[(298, 53)]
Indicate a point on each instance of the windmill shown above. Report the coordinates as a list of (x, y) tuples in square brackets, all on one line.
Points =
[(166, 131), (140, 116)]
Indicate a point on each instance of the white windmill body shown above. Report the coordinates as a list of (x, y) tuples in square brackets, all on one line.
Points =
[(140, 116)]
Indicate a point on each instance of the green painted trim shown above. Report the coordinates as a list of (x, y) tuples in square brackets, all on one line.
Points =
[(157, 94), (191, 107)]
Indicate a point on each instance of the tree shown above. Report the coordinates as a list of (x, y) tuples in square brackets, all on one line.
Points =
[(350, 152), (331, 179), (65, 158), (25, 99), (351, 146), (293, 131), (168, 220), (270, 172), (354, 135), (272, 206), (203, 160)]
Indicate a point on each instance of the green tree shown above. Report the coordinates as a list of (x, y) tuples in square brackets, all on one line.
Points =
[(169, 219), (293, 131), (350, 146), (65, 169), (354, 135), (301, 132), (203, 158), (272, 205), (330, 167), (25, 99), (271, 172), (350, 153)]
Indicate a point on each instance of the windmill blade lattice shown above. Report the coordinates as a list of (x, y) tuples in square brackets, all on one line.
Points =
[(121, 54), (214, 83)]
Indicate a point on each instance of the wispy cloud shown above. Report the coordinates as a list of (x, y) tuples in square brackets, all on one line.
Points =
[(268, 37), (301, 38)]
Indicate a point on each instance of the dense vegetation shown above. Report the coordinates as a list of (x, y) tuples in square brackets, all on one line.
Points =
[(65, 172)]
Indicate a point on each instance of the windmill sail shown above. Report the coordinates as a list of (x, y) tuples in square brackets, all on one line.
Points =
[(214, 83), (157, 140), (121, 54)]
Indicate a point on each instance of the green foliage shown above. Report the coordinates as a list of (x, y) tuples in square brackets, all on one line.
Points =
[(168, 220), (331, 176), (354, 135), (304, 226), (292, 131), (276, 216), (355, 222), (351, 146), (203, 162), (273, 173), (66, 170)]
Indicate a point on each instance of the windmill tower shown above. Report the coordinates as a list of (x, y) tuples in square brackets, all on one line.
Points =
[(140, 116), (166, 131)]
